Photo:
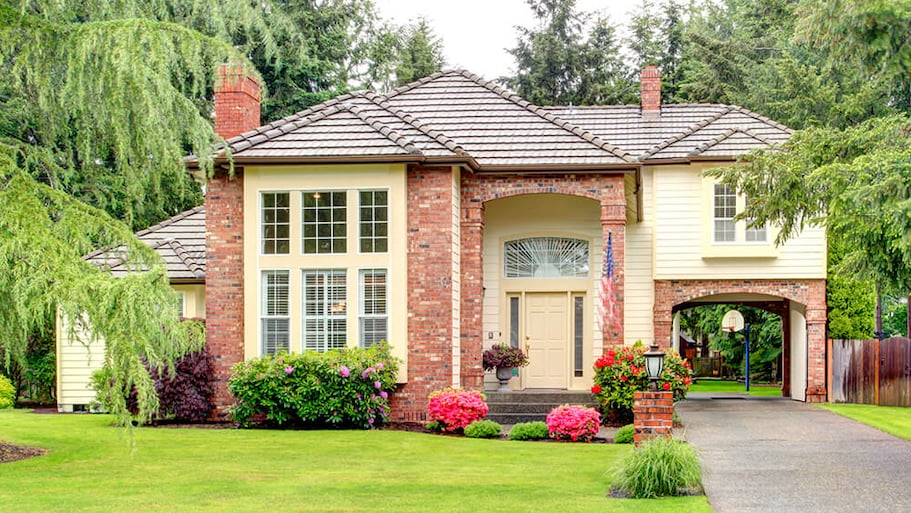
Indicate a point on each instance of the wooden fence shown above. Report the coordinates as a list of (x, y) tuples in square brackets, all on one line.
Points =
[(870, 371)]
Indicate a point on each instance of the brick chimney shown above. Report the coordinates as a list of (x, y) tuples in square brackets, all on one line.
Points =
[(237, 100), (651, 93)]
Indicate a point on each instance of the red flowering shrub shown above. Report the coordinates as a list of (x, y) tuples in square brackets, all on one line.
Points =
[(573, 422), (455, 408), (619, 374)]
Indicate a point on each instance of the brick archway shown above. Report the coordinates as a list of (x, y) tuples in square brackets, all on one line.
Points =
[(809, 293)]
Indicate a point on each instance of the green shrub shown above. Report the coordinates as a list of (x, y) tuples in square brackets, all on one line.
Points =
[(7, 393), (435, 426), (620, 374), (346, 388), (483, 429), (660, 467), (625, 435), (529, 431)]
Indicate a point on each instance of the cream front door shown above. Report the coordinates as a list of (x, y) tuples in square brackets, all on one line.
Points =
[(547, 339)]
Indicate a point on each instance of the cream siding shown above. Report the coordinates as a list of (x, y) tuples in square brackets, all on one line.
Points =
[(684, 250), (350, 178), (194, 299), (639, 286)]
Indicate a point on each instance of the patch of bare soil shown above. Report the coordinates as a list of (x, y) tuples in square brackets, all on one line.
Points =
[(10, 452)]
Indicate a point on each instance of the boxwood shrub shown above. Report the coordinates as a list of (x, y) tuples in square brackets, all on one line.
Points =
[(483, 429), (625, 435), (536, 430), (347, 388)]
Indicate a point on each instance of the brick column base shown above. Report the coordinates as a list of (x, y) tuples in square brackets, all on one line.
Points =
[(653, 415), (816, 394)]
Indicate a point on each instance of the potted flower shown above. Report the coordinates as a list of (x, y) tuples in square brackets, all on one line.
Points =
[(504, 359)]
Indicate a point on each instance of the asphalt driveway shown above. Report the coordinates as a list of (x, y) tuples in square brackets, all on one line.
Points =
[(780, 456)]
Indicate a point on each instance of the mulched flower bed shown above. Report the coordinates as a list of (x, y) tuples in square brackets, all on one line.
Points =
[(10, 452)]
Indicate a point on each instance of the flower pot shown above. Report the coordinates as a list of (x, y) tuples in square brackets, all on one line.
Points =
[(504, 374)]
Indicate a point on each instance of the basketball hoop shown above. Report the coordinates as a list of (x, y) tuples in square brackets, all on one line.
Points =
[(732, 321)]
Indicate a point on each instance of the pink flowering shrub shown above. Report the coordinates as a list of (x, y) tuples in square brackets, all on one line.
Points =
[(573, 422), (346, 388), (620, 374), (455, 408)]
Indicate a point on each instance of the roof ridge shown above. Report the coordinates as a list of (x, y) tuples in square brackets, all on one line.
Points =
[(542, 113), (760, 117), (419, 82), (383, 103), (185, 257), (690, 130), (167, 222), (384, 129)]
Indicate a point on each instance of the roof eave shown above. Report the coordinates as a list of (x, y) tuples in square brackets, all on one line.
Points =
[(564, 168)]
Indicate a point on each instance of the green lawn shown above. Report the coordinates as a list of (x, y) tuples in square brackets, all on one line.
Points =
[(895, 420), (715, 385), (92, 468)]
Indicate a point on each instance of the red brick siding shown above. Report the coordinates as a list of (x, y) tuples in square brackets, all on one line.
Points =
[(225, 280), (430, 296), (653, 415), (651, 91), (811, 293)]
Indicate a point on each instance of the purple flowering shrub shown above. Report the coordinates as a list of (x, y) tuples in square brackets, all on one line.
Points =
[(347, 388)]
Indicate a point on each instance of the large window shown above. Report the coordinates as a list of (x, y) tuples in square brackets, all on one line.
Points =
[(276, 223), (546, 257), (275, 312), (325, 308), (374, 310), (323, 222), (724, 210), (374, 221)]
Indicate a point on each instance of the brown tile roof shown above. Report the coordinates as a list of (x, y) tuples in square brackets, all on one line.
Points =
[(457, 117), (180, 240)]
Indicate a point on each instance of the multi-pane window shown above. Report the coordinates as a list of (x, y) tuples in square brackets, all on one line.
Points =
[(323, 222), (275, 311), (325, 309), (725, 207), (276, 223), (756, 234), (374, 309), (374, 221)]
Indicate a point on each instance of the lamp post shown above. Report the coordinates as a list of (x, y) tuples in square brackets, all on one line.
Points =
[(654, 363)]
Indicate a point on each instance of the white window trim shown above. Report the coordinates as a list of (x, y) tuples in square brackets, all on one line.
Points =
[(262, 315), (323, 345), (362, 302), (262, 224), (388, 192)]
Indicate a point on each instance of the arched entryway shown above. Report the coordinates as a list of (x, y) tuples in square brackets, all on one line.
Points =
[(801, 304)]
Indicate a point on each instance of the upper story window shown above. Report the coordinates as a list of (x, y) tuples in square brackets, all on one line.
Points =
[(276, 223), (374, 221), (275, 311), (546, 257), (324, 222), (725, 208)]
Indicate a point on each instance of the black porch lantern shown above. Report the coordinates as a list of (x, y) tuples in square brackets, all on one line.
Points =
[(654, 363)]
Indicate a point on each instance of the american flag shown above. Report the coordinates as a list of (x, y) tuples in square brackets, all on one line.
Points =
[(607, 296)]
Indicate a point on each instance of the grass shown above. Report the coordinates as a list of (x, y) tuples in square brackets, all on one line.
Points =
[(91, 468), (895, 420), (715, 385)]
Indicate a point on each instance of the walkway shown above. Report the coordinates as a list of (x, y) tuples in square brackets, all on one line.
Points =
[(777, 455)]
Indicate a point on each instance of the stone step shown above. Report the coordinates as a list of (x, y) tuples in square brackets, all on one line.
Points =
[(528, 406), (515, 418), (557, 398)]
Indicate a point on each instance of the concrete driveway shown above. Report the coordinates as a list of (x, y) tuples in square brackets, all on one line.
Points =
[(780, 456)]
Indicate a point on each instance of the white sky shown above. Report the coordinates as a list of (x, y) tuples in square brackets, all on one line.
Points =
[(476, 33)]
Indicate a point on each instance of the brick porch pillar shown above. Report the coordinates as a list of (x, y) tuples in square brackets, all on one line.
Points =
[(653, 415), (472, 277), (816, 342), (613, 225)]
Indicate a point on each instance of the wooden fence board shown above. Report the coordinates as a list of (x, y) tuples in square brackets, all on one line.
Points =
[(870, 371)]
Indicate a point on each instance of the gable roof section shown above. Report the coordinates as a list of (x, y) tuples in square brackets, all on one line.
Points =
[(683, 131), (180, 240), (450, 116)]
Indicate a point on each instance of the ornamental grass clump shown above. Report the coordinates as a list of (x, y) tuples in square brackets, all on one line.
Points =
[(455, 408), (573, 422), (620, 374), (502, 355), (346, 388), (660, 467)]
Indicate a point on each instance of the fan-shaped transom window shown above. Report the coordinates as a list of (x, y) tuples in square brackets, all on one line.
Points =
[(546, 257)]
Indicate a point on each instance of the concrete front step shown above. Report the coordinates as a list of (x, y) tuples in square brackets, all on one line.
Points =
[(527, 406)]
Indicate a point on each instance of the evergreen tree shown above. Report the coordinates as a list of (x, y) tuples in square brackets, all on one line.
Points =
[(420, 55)]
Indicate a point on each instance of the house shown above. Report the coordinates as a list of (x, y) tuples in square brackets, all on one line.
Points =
[(450, 214)]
